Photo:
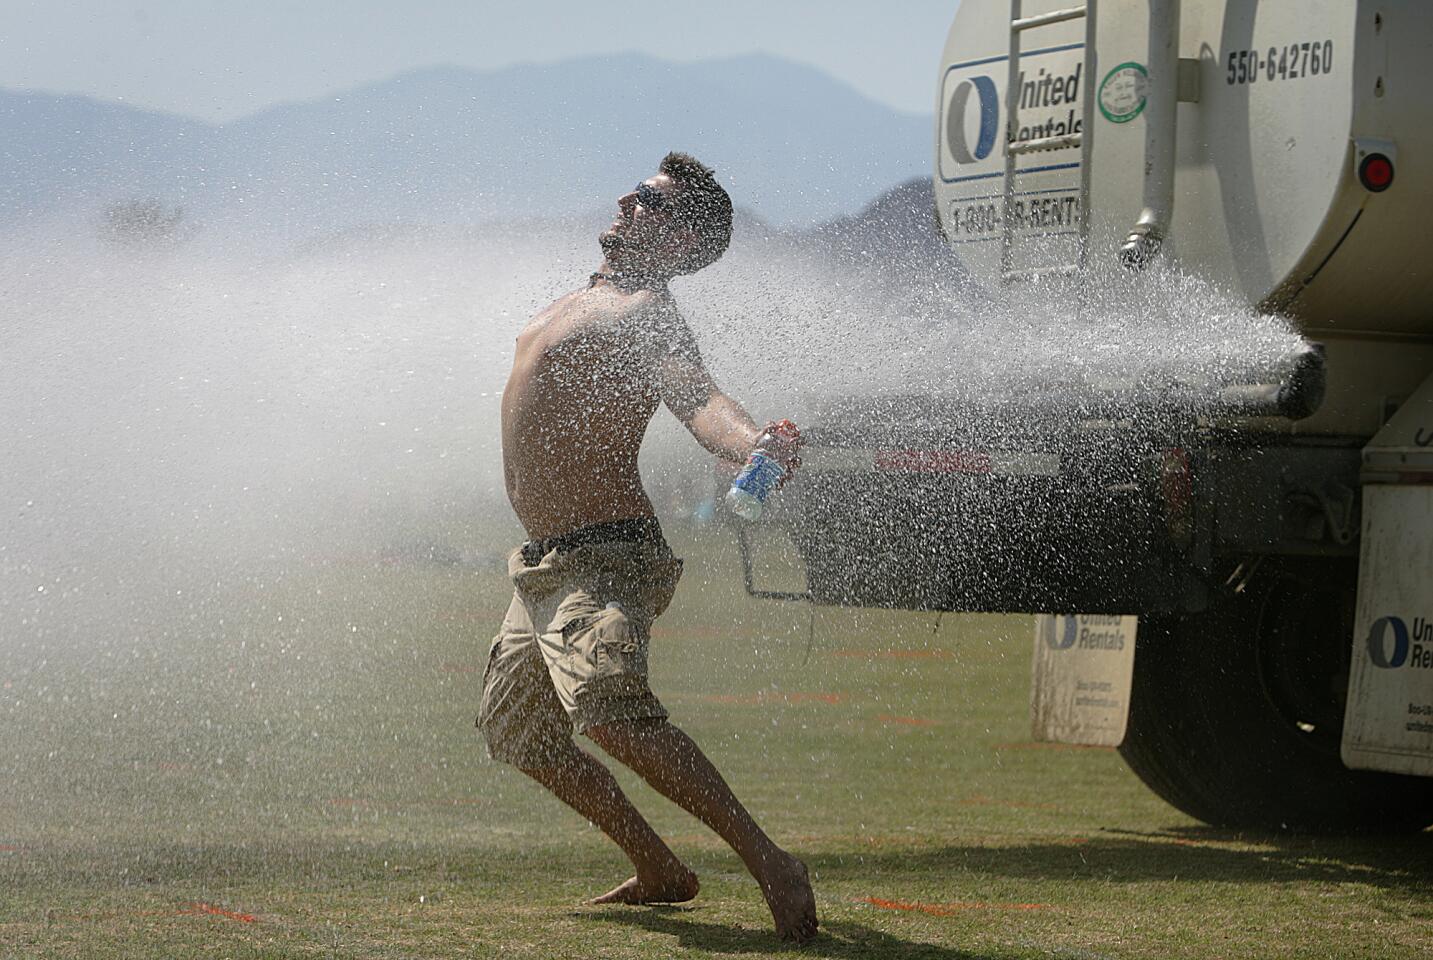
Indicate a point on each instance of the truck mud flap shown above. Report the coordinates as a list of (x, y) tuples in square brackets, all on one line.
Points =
[(1389, 724), (1081, 677)]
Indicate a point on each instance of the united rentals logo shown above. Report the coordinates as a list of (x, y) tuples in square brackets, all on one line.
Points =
[(1392, 645), (1089, 632), (1052, 97), (984, 90)]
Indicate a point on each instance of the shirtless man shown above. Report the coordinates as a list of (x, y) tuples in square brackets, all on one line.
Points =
[(588, 374)]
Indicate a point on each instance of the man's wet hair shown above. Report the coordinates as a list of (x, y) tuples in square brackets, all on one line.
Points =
[(702, 206)]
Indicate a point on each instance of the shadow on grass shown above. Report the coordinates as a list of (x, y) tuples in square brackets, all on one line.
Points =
[(837, 938), (1121, 856), (1192, 853)]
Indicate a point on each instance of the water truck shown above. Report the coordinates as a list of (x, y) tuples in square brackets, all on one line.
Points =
[(1233, 572)]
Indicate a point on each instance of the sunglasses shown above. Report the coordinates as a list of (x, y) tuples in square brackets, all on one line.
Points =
[(650, 197)]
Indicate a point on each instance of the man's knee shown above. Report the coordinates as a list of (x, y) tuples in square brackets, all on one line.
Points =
[(542, 762), (549, 769), (619, 736), (530, 749)]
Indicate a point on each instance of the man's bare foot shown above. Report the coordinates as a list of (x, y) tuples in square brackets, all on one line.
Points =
[(787, 889), (677, 887)]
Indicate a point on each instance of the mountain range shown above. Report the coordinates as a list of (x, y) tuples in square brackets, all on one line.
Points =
[(449, 145)]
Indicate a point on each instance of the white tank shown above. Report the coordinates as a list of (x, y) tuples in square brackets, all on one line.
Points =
[(1278, 105)]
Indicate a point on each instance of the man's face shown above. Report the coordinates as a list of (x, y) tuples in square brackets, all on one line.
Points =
[(644, 234)]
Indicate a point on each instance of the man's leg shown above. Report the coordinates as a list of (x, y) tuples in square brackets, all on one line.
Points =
[(525, 725), (588, 787), (675, 767)]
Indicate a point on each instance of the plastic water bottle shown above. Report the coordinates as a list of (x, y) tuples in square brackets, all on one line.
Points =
[(762, 473), (748, 493)]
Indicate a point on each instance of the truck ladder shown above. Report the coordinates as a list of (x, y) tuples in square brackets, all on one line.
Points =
[(1014, 149)]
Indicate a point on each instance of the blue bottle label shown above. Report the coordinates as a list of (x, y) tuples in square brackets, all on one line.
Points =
[(759, 476)]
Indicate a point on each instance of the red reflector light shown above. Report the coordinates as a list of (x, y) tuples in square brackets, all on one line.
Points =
[(1375, 172)]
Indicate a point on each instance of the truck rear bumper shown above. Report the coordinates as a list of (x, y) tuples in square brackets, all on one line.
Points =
[(930, 539), (1074, 503)]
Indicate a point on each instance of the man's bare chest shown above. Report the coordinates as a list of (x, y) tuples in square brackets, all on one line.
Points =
[(580, 333)]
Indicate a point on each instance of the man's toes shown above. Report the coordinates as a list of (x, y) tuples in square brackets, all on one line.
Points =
[(622, 893), (799, 930)]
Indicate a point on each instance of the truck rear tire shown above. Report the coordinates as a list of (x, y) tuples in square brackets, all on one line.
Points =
[(1236, 714)]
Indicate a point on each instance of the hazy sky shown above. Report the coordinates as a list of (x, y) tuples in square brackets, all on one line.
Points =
[(223, 59)]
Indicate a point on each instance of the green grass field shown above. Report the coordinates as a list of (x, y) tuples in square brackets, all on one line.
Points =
[(285, 766)]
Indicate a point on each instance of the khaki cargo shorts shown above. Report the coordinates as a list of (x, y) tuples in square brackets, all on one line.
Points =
[(572, 651)]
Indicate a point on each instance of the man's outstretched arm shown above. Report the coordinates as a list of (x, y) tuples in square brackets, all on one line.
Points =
[(718, 422)]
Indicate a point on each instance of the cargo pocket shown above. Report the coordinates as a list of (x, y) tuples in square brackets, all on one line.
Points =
[(612, 648), (577, 610), (619, 649), (596, 652)]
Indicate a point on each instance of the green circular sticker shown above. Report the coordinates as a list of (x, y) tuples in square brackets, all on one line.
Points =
[(1122, 93)]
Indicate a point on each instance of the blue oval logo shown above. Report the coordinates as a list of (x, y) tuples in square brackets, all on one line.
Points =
[(1378, 647), (1066, 638), (984, 89)]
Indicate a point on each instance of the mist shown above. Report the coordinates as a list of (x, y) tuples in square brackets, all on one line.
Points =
[(192, 411)]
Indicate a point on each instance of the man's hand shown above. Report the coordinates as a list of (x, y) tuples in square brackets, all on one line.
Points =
[(782, 442)]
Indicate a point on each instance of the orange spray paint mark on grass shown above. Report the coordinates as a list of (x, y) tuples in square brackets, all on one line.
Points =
[(947, 909), (813, 697), (209, 908), (906, 721)]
